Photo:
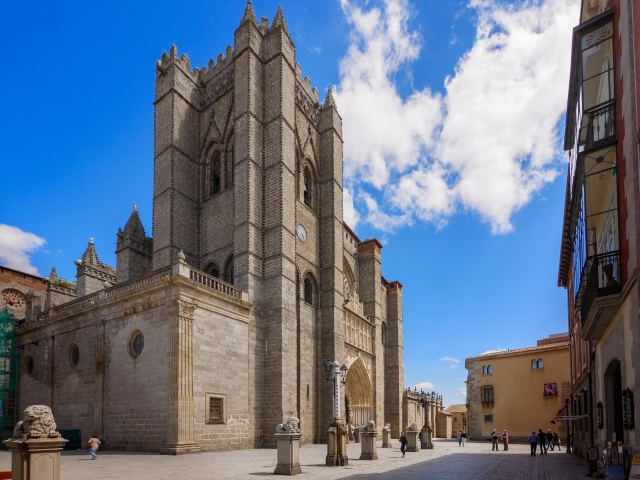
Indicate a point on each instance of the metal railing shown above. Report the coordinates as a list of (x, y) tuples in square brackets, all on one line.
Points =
[(600, 127), (602, 278)]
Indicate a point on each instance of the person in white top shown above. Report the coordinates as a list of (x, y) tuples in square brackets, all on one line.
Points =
[(93, 445)]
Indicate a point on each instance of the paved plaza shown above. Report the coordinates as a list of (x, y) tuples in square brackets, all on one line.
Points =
[(476, 461)]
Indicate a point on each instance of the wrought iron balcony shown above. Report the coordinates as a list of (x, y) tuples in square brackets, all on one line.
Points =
[(602, 278), (600, 128)]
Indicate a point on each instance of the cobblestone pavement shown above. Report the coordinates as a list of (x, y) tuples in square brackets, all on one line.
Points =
[(447, 461)]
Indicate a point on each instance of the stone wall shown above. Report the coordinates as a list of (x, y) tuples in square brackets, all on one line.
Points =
[(444, 425)]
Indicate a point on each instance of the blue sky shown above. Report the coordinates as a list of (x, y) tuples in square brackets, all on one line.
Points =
[(451, 118)]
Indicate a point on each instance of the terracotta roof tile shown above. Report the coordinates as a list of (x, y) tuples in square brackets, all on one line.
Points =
[(550, 346)]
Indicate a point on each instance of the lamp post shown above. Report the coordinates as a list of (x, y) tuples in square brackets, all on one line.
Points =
[(336, 440)]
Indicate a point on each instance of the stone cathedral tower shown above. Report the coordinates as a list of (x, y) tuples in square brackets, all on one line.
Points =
[(248, 184), (222, 322)]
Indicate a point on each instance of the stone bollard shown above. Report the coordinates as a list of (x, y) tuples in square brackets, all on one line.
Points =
[(35, 446), (386, 436), (411, 433), (369, 436), (356, 435), (288, 437), (425, 437)]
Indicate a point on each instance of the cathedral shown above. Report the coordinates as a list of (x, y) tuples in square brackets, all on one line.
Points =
[(215, 329)]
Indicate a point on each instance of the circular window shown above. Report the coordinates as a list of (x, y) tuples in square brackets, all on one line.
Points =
[(136, 343), (74, 355), (29, 364)]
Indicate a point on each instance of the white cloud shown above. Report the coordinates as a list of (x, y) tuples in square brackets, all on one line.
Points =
[(462, 392), (449, 359), (496, 350), (453, 366), (488, 146), (424, 386), (15, 247), (350, 214)]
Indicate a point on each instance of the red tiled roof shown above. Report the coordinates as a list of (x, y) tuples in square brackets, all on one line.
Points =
[(516, 351)]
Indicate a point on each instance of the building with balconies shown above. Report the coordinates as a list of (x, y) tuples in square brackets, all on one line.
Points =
[(601, 228)]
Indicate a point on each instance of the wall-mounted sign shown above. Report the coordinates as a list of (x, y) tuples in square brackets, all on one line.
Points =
[(600, 416), (628, 416)]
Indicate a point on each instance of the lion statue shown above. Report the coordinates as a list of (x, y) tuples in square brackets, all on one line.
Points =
[(290, 426), (387, 427), (413, 427), (38, 422), (369, 427)]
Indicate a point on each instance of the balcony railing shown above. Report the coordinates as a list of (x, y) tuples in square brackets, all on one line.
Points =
[(602, 278), (601, 126)]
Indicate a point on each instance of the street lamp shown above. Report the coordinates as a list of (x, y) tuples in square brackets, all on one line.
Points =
[(337, 375)]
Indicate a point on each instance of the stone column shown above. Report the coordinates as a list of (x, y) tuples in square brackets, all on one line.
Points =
[(35, 446), (369, 435), (99, 381), (386, 436), (180, 432)]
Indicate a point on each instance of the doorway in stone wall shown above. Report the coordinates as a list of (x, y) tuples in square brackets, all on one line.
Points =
[(613, 401), (358, 395)]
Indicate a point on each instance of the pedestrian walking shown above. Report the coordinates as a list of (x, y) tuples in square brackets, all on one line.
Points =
[(464, 438), (93, 445), (505, 440), (459, 436), (556, 440), (533, 441), (403, 443), (550, 439), (542, 441), (494, 440)]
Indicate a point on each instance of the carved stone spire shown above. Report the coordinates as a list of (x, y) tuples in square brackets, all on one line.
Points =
[(328, 100), (53, 276), (249, 14), (278, 20), (133, 227), (90, 256)]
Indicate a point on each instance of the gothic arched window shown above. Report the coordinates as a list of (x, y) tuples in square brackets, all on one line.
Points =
[(215, 173), (384, 333), (307, 187), (213, 270), (308, 291), (228, 271)]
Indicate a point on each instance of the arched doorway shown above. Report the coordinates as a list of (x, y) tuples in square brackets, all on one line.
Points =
[(358, 396), (613, 401)]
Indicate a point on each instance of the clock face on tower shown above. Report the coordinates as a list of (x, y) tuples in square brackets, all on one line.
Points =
[(302, 233)]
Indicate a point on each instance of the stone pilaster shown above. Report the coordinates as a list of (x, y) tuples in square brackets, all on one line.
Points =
[(394, 378), (99, 382), (180, 437)]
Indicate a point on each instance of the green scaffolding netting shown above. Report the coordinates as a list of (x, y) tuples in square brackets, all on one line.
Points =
[(8, 374)]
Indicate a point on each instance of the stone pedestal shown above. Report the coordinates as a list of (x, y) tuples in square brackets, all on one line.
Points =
[(356, 435), (337, 445), (412, 438), (369, 446), (35, 458), (288, 454), (386, 438), (426, 437)]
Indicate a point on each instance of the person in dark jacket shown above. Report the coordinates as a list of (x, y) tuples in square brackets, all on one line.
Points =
[(550, 439), (542, 440), (533, 441), (403, 443), (556, 440)]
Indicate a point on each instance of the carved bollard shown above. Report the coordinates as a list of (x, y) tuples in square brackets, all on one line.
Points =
[(369, 436), (411, 432), (288, 437), (337, 445), (386, 436), (35, 446), (356, 435)]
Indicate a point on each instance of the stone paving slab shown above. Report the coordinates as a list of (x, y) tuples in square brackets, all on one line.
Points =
[(446, 462)]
